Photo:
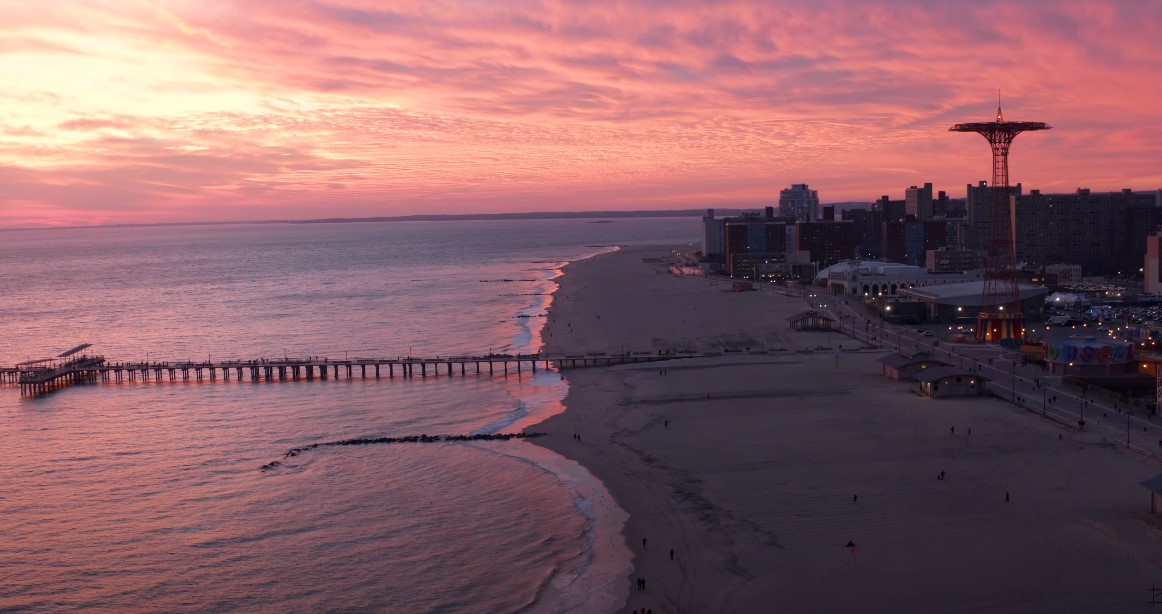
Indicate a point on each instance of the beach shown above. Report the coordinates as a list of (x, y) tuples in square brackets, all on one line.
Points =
[(758, 467)]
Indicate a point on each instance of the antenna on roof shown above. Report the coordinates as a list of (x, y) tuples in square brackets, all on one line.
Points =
[(1000, 118)]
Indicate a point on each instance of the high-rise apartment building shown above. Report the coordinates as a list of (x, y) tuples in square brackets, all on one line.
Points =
[(1152, 269), (1105, 232), (713, 237), (754, 245), (827, 242), (867, 231), (977, 203), (908, 241), (918, 202), (891, 210), (799, 202)]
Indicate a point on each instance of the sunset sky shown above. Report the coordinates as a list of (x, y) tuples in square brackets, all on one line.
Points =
[(121, 111)]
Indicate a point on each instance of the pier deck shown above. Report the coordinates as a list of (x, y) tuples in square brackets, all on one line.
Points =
[(37, 378)]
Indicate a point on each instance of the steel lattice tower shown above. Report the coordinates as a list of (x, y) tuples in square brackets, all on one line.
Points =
[(1000, 314)]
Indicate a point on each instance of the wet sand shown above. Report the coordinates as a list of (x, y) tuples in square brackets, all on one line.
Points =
[(753, 482)]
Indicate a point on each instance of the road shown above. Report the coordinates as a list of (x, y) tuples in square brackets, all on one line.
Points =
[(1024, 385)]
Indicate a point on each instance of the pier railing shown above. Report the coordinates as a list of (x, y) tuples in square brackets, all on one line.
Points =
[(36, 380)]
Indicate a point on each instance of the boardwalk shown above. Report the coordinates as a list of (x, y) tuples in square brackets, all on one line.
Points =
[(42, 377)]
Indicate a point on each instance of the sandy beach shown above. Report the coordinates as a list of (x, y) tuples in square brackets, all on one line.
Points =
[(757, 467)]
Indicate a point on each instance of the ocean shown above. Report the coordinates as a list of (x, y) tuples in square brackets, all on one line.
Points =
[(150, 496)]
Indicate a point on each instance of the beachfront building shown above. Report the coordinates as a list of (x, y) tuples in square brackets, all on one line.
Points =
[(799, 202), (751, 246), (958, 302), (755, 246), (872, 280), (945, 382), (903, 367), (713, 236)]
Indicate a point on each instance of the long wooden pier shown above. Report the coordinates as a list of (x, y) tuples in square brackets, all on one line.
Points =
[(42, 377)]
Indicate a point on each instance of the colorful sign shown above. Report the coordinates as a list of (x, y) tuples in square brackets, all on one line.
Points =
[(1088, 354)]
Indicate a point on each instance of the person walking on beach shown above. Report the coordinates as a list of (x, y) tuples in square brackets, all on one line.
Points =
[(671, 554), (643, 543)]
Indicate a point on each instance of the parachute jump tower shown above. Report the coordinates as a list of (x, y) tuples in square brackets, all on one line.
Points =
[(1000, 314)]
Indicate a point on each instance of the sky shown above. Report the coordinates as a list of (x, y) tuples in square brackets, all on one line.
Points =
[(147, 111)]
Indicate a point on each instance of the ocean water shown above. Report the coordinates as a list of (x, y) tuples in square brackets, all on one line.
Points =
[(150, 497)]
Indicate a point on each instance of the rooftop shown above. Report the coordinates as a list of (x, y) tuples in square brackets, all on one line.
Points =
[(896, 361), (966, 293), (1153, 484), (935, 373)]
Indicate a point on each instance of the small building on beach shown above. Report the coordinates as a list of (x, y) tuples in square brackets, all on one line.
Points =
[(1154, 485), (943, 382), (811, 320), (902, 367)]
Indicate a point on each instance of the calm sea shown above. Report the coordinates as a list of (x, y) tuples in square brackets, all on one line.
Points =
[(150, 497)]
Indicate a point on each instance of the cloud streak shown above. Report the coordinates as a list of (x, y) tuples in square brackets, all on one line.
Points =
[(181, 110)]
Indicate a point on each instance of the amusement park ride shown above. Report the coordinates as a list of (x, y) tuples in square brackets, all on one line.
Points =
[(1000, 314)]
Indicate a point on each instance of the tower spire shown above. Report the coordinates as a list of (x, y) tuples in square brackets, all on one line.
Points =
[(1000, 314)]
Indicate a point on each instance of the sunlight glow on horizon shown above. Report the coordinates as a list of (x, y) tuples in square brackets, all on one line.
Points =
[(123, 111)]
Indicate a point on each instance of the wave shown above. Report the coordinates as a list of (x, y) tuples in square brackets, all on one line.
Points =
[(595, 579), (521, 410)]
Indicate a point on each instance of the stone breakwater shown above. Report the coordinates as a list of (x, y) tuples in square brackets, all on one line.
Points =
[(422, 438)]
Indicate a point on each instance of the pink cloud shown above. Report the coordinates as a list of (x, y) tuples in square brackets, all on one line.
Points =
[(291, 107)]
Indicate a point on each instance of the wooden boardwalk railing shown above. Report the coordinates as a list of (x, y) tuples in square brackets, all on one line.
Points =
[(36, 380)]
